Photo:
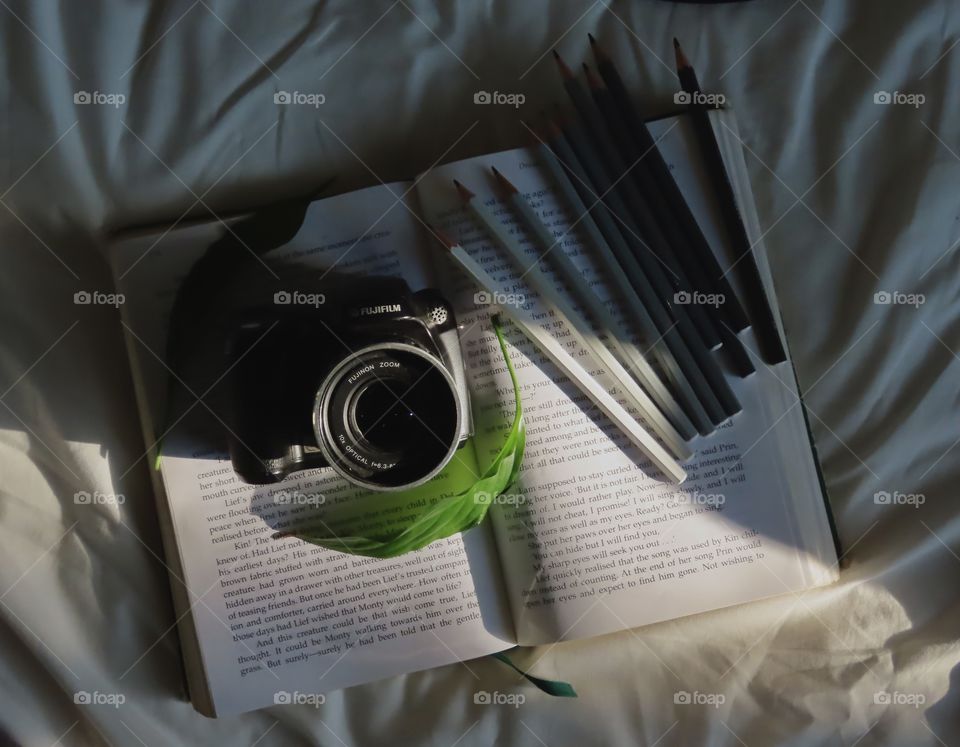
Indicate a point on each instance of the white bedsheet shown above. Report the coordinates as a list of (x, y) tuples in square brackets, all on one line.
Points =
[(858, 198)]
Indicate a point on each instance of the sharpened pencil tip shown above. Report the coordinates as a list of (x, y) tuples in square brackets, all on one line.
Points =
[(441, 236), (564, 70), (598, 53), (682, 61), (504, 182), (465, 194)]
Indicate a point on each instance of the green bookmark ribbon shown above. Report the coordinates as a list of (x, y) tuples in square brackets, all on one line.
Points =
[(453, 514), (556, 688)]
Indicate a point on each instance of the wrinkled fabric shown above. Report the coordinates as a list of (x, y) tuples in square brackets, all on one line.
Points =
[(857, 198)]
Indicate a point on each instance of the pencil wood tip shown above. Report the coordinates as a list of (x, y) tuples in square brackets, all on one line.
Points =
[(592, 80), (465, 194), (564, 69), (682, 61), (599, 54), (447, 242), (504, 182)]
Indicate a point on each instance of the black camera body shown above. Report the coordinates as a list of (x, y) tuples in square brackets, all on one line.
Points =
[(356, 373)]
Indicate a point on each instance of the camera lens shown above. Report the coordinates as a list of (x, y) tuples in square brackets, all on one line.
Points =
[(382, 417), (388, 417)]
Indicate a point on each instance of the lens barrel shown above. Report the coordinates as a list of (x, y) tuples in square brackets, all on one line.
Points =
[(388, 416)]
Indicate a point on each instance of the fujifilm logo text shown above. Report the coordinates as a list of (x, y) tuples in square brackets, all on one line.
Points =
[(389, 308)]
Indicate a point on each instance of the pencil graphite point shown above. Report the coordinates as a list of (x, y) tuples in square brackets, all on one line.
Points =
[(598, 52), (465, 194), (565, 71), (682, 61), (504, 182)]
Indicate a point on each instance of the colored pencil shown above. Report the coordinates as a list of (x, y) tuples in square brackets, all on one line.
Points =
[(579, 327), (627, 353), (755, 296), (553, 350)]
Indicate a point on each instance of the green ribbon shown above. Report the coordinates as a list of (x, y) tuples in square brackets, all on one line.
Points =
[(556, 688), (453, 514)]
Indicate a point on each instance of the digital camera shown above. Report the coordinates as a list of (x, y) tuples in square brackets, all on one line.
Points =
[(358, 374)]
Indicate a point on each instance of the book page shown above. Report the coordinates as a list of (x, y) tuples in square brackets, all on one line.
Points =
[(591, 540), (280, 620)]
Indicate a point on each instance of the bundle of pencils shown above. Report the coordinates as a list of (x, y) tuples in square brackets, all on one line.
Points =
[(642, 232)]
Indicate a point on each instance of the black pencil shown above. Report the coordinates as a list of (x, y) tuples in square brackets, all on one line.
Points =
[(735, 352), (755, 296), (718, 398), (640, 215), (732, 310)]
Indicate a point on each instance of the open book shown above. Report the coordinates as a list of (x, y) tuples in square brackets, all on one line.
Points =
[(589, 541)]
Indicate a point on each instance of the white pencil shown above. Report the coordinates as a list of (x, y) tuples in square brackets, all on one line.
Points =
[(625, 350), (550, 347), (579, 327)]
